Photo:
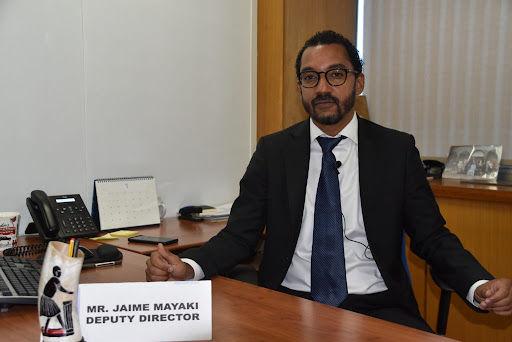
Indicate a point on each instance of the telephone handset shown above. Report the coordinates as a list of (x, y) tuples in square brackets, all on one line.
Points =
[(433, 168), (60, 217)]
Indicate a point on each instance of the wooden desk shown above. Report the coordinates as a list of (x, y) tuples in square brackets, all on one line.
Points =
[(481, 216), (21, 322), (189, 234), (241, 312), (134, 271)]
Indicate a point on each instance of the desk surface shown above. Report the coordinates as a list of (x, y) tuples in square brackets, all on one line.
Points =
[(241, 312), (190, 234), (21, 322)]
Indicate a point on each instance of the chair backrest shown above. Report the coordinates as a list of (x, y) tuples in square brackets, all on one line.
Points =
[(362, 107), (404, 257)]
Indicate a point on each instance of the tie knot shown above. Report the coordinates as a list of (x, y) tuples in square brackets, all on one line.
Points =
[(328, 144)]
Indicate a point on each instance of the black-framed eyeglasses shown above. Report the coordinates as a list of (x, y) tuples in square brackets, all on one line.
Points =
[(335, 77)]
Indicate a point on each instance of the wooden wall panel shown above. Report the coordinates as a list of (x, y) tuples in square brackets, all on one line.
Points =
[(270, 65), (304, 18)]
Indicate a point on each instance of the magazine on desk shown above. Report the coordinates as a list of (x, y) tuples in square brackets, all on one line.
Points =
[(220, 212)]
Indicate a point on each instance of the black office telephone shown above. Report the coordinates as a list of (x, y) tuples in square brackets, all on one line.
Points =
[(60, 217), (433, 168)]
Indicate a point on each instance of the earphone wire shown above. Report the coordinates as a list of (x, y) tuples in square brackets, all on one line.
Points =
[(366, 247)]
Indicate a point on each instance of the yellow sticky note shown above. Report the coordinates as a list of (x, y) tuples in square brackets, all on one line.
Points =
[(105, 237), (125, 233)]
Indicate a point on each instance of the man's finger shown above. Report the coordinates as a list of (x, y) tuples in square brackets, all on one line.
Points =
[(490, 292), (157, 271), (157, 261), (156, 268), (155, 277), (504, 304), (495, 295), (500, 309), (169, 257)]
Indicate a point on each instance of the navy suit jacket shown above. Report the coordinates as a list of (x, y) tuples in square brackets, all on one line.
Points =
[(395, 196)]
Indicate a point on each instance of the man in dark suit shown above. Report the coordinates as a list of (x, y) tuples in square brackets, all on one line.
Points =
[(383, 192)]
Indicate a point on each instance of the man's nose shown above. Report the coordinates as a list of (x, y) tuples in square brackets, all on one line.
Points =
[(323, 86)]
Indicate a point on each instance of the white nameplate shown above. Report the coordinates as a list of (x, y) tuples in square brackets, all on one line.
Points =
[(159, 311)]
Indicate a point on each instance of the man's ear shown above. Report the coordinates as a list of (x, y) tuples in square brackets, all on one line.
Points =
[(359, 83), (299, 89)]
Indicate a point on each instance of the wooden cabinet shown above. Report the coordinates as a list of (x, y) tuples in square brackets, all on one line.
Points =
[(481, 216)]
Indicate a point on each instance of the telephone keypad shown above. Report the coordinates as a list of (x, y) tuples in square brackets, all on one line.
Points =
[(75, 219), (78, 224)]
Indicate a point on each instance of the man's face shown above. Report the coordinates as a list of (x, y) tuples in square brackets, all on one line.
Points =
[(326, 104)]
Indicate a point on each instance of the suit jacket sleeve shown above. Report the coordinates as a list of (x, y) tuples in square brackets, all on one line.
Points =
[(430, 239), (396, 196)]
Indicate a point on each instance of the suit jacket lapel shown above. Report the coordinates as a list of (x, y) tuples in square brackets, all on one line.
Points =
[(296, 161), (368, 178)]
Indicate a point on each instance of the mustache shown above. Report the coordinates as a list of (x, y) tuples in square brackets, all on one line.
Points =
[(324, 98)]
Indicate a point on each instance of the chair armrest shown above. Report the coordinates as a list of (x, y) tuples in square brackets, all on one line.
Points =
[(446, 288), (439, 282)]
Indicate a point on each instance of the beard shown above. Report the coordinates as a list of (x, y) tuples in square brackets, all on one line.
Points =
[(338, 115)]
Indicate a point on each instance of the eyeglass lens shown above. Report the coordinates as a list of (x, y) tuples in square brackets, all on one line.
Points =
[(335, 77)]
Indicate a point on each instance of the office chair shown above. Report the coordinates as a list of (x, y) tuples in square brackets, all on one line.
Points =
[(444, 300), (247, 271), (444, 303), (244, 272)]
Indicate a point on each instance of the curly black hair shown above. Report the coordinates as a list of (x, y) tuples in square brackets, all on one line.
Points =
[(331, 37)]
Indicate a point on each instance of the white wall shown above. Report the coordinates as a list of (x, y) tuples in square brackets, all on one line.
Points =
[(114, 88)]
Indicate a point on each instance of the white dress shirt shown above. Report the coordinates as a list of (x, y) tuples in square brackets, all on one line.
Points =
[(363, 275)]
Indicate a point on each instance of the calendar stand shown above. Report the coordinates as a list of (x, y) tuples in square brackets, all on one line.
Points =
[(125, 203)]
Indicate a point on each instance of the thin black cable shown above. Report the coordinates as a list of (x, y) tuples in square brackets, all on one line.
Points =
[(366, 247)]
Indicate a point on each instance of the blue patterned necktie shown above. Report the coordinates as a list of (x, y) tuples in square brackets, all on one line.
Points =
[(328, 274)]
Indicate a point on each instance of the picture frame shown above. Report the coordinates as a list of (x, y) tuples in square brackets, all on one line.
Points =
[(470, 162)]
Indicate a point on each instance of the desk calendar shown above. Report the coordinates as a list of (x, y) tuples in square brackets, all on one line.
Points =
[(125, 202)]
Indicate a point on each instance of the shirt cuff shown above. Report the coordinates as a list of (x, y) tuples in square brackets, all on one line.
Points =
[(198, 271), (471, 293)]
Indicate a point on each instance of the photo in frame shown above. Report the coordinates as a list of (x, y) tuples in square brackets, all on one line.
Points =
[(473, 162)]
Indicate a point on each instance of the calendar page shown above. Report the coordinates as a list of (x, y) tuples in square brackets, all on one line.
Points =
[(126, 202)]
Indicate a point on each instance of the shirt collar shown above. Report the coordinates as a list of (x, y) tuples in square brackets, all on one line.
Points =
[(350, 130)]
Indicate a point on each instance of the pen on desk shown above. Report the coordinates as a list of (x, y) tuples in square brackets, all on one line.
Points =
[(75, 247), (71, 247), (101, 264)]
